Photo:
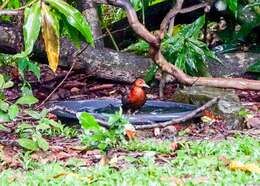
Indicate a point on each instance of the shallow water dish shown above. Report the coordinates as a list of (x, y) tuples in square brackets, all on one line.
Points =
[(152, 111)]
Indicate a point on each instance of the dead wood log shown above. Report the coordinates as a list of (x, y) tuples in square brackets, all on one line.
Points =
[(154, 41), (101, 63)]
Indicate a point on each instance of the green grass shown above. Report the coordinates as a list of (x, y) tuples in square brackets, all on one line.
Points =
[(194, 159)]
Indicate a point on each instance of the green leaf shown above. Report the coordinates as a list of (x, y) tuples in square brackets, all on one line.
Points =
[(232, 5), (8, 84), (31, 28), (42, 143), (194, 29), (42, 126), (151, 72), (27, 100), (22, 64), (26, 90), (74, 17), (140, 48), (88, 121), (13, 111), (180, 62), (24, 126), (34, 114), (28, 144), (35, 69), (255, 68), (3, 128), (4, 117), (4, 106), (2, 81), (71, 33)]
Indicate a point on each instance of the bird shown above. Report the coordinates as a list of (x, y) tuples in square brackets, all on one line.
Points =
[(135, 98)]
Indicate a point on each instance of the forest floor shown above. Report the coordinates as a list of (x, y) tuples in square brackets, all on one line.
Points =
[(195, 153)]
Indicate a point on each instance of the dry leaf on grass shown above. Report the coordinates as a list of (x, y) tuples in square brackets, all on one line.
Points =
[(238, 165)]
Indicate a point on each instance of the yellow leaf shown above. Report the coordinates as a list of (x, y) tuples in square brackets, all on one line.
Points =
[(50, 33), (237, 165)]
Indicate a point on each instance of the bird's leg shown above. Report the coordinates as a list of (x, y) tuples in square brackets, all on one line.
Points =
[(135, 112)]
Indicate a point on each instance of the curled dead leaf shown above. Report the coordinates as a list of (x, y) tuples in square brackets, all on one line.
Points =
[(50, 33)]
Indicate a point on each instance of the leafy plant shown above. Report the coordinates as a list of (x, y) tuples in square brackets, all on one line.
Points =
[(9, 111), (96, 136), (183, 48), (186, 51), (48, 16), (31, 136)]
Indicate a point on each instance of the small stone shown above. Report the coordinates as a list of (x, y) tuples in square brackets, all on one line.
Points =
[(74, 90), (169, 131), (227, 107)]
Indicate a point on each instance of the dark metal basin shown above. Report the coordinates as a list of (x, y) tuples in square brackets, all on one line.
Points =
[(152, 111)]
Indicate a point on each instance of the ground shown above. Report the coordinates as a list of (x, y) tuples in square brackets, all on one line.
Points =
[(197, 152)]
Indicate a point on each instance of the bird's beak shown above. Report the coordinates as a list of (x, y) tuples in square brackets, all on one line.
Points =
[(146, 86)]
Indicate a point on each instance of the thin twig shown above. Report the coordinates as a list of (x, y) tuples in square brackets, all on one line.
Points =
[(112, 39), (18, 11), (74, 55), (112, 32), (27, 5), (11, 12), (179, 120), (193, 8)]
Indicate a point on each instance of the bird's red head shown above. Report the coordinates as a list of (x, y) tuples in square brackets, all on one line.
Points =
[(140, 83)]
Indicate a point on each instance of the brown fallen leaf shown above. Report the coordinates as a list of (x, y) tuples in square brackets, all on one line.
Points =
[(130, 131), (104, 160), (173, 146)]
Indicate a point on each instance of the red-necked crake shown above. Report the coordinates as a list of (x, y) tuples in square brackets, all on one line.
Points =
[(136, 97)]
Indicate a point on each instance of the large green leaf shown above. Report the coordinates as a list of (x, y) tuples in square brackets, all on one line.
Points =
[(28, 144), (13, 111), (88, 121), (74, 17), (194, 29), (27, 100), (4, 117), (4, 106), (31, 28), (42, 143), (232, 5)]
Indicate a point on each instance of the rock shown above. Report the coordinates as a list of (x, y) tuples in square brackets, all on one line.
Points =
[(234, 64), (75, 90), (254, 122), (228, 106)]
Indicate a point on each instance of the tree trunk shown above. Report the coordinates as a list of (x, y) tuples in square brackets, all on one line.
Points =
[(89, 10), (101, 63)]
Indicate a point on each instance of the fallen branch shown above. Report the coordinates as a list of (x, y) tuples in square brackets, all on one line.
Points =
[(179, 120), (155, 41)]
